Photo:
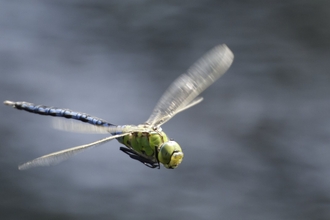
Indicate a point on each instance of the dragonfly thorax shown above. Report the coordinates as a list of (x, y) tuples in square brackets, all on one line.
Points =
[(154, 146)]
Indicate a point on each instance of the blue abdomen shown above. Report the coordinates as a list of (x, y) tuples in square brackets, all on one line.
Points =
[(58, 112)]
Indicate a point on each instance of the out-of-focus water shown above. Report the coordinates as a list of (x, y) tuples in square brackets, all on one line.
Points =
[(257, 147)]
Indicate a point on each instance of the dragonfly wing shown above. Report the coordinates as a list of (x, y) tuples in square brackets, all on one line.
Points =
[(57, 157), (191, 104), (79, 127), (182, 92)]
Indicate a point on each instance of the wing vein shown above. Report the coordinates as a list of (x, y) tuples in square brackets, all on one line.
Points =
[(59, 156), (181, 93)]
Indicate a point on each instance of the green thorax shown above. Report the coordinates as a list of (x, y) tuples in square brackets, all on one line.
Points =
[(145, 143)]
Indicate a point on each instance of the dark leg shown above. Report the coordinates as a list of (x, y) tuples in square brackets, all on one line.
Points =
[(132, 154)]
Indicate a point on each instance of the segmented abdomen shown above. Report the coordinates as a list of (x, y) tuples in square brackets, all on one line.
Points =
[(58, 112)]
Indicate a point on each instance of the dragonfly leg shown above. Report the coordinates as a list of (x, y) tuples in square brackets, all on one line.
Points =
[(132, 154)]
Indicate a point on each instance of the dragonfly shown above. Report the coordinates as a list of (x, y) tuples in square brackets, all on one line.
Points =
[(146, 143)]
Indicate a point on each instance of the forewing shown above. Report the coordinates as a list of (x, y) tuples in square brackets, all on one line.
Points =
[(189, 105), (57, 157), (187, 87)]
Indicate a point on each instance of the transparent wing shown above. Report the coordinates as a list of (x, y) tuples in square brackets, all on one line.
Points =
[(80, 127), (57, 157), (191, 104), (182, 92)]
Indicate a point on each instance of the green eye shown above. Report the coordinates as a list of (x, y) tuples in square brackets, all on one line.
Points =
[(170, 154)]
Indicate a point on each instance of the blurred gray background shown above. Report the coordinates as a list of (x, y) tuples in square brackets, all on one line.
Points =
[(256, 148)]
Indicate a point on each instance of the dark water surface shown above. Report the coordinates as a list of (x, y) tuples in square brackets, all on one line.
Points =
[(256, 148)]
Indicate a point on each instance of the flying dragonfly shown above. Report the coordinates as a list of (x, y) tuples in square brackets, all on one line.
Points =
[(146, 142)]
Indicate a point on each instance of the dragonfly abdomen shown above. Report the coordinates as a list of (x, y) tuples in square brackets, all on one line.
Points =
[(57, 112)]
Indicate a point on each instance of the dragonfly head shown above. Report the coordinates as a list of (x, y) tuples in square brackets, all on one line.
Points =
[(170, 154)]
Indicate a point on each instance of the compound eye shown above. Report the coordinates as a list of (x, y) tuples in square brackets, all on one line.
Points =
[(170, 154)]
